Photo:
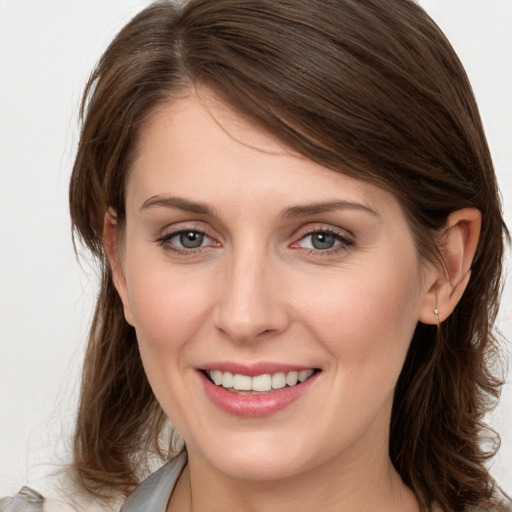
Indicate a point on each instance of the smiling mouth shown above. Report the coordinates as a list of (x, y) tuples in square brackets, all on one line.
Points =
[(244, 384)]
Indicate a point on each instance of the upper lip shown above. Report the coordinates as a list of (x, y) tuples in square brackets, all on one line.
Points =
[(253, 369)]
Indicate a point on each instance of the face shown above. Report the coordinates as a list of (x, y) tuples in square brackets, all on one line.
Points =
[(274, 300)]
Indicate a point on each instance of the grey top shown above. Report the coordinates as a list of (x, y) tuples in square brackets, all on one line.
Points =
[(154, 493), (27, 500)]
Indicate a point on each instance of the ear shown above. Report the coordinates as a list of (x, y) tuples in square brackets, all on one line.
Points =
[(451, 276), (111, 245)]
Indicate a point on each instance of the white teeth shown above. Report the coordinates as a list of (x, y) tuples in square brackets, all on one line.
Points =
[(305, 374), (241, 382), (227, 380), (216, 376), (260, 383), (292, 378), (278, 380)]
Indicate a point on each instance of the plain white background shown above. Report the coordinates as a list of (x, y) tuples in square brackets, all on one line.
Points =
[(47, 49)]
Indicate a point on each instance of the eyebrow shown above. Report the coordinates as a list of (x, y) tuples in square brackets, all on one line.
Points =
[(179, 203), (304, 210), (316, 208)]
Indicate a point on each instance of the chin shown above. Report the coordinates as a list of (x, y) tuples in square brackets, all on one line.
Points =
[(263, 468), (259, 456)]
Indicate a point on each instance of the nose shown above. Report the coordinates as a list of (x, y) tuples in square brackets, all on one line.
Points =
[(251, 304)]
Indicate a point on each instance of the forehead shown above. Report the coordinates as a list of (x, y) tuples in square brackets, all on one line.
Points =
[(197, 145)]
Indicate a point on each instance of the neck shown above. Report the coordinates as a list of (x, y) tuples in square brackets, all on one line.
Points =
[(359, 484)]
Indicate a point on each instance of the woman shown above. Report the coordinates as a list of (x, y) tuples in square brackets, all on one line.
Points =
[(300, 235)]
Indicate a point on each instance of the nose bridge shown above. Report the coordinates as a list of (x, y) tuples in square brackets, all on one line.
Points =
[(249, 304)]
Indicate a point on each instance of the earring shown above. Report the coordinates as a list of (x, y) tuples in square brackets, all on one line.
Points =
[(436, 316), (436, 311)]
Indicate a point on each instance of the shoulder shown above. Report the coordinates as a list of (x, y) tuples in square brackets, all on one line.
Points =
[(503, 503), (502, 506), (67, 497), (29, 500)]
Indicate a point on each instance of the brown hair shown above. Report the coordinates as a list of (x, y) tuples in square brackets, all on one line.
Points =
[(369, 87)]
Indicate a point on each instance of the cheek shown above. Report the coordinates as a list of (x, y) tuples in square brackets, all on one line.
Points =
[(367, 317), (168, 306), (365, 322), (169, 311)]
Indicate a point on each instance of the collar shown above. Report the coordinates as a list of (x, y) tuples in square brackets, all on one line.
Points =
[(154, 493)]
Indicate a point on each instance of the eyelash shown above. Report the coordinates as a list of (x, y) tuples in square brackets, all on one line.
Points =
[(345, 242), (165, 241)]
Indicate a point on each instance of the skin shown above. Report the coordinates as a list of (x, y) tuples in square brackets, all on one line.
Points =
[(258, 290)]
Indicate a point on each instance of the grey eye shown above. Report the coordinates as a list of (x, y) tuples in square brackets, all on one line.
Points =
[(320, 241), (189, 239)]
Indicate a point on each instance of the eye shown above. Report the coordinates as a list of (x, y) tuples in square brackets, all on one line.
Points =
[(320, 241), (185, 239), (324, 241), (189, 239)]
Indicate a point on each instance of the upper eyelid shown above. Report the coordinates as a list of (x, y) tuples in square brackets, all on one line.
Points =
[(172, 234), (179, 227), (341, 232)]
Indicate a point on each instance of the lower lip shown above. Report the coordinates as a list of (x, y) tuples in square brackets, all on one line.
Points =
[(253, 406)]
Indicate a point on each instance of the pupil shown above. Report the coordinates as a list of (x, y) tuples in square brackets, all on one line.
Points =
[(191, 239), (323, 241)]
